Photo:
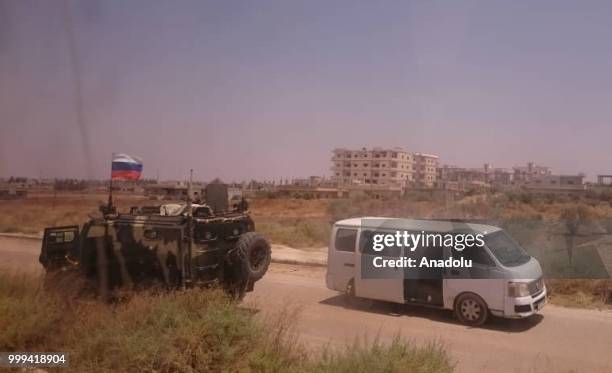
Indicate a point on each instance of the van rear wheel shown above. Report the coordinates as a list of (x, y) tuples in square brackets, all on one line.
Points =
[(354, 301), (471, 310)]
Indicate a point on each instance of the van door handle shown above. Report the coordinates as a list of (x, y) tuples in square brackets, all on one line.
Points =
[(349, 265)]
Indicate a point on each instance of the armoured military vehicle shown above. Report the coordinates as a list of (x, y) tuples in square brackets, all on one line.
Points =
[(176, 245)]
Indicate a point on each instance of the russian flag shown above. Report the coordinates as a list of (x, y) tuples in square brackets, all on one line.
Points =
[(125, 167)]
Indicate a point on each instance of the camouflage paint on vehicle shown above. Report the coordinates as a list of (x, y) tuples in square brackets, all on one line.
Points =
[(145, 247)]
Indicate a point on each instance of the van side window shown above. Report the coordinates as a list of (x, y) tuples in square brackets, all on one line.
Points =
[(367, 245), (345, 239)]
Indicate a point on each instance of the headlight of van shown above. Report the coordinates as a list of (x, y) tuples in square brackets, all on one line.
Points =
[(518, 289)]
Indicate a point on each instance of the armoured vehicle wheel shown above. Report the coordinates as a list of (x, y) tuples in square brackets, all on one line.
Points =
[(254, 255)]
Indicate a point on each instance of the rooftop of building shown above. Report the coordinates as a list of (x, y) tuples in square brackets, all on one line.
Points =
[(426, 155)]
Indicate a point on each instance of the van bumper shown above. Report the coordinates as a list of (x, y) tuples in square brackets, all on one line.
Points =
[(525, 306)]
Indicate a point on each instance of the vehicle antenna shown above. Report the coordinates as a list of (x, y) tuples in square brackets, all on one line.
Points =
[(187, 269)]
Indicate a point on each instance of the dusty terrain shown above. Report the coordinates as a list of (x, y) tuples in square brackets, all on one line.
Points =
[(558, 340)]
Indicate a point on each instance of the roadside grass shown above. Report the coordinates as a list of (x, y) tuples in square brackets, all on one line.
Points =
[(186, 331), (363, 356), (581, 293), (29, 320)]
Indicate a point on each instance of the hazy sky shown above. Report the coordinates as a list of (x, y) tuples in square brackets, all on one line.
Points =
[(264, 89)]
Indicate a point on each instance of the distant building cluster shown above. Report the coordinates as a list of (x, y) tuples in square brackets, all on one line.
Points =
[(532, 177), (378, 172), (392, 171)]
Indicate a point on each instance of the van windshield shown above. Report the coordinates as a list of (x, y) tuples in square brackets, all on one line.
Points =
[(505, 249)]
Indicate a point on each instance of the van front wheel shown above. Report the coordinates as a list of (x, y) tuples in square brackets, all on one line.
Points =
[(471, 310)]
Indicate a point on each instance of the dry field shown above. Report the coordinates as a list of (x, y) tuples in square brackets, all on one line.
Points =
[(42, 210)]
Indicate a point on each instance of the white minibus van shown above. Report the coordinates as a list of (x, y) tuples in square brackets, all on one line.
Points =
[(503, 280)]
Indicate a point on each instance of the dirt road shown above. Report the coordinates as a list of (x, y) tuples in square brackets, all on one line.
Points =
[(558, 340)]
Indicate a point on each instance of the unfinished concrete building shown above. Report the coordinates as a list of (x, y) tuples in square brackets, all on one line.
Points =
[(372, 169), (425, 170)]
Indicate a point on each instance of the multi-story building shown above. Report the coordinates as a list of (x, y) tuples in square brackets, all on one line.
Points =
[(525, 174), (604, 180), (425, 169), (502, 177), (461, 178), (372, 169)]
